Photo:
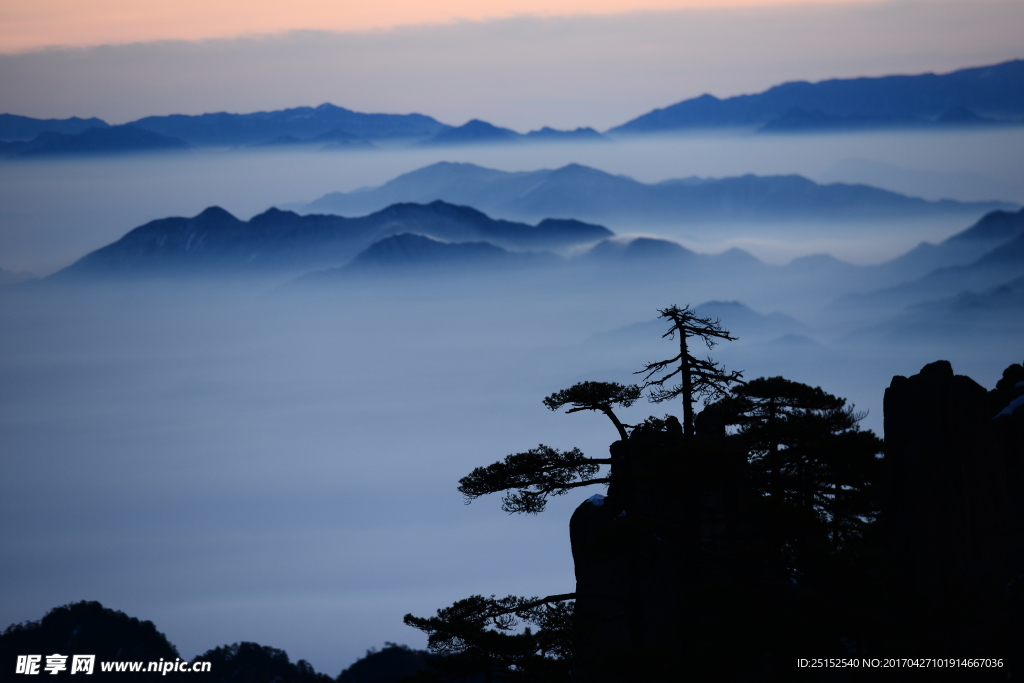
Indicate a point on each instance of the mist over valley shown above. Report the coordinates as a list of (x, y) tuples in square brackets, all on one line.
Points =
[(238, 383)]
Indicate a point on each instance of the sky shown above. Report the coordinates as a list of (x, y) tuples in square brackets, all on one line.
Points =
[(31, 24), (522, 69)]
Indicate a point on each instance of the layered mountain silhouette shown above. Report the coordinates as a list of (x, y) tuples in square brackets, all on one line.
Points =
[(326, 127), (24, 128), (217, 242), (590, 194), (477, 132), (474, 132), (418, 256), (993, 312), (990, 231), (980, 95), (971, 266), (744, 323), (301, 123), (420, 240), (93, 140)]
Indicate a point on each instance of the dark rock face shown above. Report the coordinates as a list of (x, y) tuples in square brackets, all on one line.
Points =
[(954, 511), (687, 557), (651, 582), (602, 587), (947, 498), (1006, 402)]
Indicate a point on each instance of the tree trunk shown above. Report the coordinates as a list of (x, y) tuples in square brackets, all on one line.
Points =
[(688, 430)]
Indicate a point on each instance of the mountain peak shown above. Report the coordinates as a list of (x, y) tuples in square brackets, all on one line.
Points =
[(215, 214)]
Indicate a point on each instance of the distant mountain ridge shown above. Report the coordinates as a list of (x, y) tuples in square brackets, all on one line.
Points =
[(301, 123), (96, 140), (216, 242), (744, 322), (326, 126), (980, 95), (983, 258), (477, 132), (15, 128), (593, 195), (991, 231)]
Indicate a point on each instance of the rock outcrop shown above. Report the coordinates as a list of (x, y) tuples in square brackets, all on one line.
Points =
[(953, 518), (947, 500)]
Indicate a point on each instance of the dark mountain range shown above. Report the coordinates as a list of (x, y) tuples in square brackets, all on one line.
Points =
[(547, 134), (994, 269), (990, 231), (477, 132), (590, 194), (217, 242), (474, 132), (1007, 298), (985, 256), (967, 97), (997, 227), (994, 312), (418, 255), (978, 96), (15, 128), (799, 120), (110, 140), (326, 125), (301, 123), (980, 256), (643, 250)]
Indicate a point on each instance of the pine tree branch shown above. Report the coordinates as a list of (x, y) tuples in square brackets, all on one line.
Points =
[(532, 476)]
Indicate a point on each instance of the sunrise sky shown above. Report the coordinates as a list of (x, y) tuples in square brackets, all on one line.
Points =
[(517, 63), (31, 24)]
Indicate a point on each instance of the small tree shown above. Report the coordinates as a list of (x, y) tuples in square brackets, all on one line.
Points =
[(531, 476), (808, 454), (599, 396), (478, 633), (698, 378)]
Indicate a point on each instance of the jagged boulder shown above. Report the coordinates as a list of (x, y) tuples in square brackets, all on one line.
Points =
[(651, 581), (946, 499), (601, 616)]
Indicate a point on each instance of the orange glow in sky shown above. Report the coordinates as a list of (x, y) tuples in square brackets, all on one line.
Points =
[(32, 24)]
